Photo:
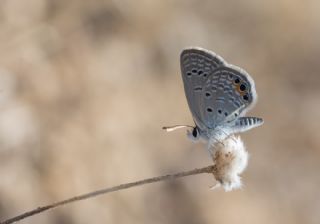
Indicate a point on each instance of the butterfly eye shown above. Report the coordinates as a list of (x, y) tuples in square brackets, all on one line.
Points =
[(225, 114), (200, 72), (194, 71), (194, 132), (245, 97), (208, 94), (237, 80), (219, 111), (205, 75), (209, 109), (189, 74)]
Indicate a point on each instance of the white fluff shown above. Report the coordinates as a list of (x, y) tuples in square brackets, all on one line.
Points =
[(230, 159)]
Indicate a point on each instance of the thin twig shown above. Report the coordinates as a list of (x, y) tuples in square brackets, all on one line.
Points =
[(38, 210)]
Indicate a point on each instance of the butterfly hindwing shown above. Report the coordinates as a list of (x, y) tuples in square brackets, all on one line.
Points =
[(228, 93)]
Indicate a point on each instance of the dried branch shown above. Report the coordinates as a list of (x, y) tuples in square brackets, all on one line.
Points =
[(209, 169)]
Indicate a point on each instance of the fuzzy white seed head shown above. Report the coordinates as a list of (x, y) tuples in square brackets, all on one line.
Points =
[(230, 159)]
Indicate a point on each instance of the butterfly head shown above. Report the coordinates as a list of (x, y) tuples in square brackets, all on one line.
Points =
[(196, 134)]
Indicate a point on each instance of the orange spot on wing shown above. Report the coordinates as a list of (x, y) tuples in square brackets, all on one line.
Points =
[(239, 90)]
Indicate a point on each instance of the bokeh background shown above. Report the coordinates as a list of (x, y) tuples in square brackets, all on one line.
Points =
[(85, 87)]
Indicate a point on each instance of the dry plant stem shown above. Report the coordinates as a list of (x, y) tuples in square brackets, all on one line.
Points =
[(38, 210)]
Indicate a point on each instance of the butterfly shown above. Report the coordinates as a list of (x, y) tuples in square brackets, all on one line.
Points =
[(218, 94)]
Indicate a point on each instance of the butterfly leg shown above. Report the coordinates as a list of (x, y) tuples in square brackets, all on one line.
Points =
[(226, 134)]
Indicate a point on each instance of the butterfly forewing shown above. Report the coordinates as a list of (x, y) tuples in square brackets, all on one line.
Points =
[(196, 67)]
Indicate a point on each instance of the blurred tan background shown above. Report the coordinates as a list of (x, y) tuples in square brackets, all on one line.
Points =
[(85, 87)]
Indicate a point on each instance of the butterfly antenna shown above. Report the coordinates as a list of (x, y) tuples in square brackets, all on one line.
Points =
[(175, 127)]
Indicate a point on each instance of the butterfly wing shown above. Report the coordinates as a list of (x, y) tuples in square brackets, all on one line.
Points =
[(216, 91), (196, 66), (228, 93)]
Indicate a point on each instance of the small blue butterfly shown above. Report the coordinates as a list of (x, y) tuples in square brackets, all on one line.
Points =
[(218, 94)]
